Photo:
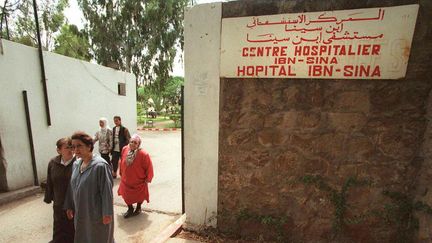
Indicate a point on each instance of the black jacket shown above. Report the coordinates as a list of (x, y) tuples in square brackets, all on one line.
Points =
[(124, 137)]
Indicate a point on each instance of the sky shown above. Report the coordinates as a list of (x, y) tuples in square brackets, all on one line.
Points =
[(75, 16)]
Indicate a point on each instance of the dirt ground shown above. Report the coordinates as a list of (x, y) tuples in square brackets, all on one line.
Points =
[(211, 235)]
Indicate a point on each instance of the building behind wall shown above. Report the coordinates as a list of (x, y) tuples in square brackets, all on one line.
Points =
[(287, 148), (79, 93)]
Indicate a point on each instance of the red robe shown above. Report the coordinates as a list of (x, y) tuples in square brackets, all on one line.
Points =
[(134, 178)]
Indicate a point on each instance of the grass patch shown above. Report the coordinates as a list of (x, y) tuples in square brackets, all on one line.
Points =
[(143, 119)]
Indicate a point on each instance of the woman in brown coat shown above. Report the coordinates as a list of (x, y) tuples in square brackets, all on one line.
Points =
[(58, 178)]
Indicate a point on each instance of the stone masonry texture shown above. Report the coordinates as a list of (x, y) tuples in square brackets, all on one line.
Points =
[(276, 132)]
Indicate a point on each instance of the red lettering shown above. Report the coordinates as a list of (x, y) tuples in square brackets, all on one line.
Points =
[(250, 70), (323, 49), (361, 71), (259, 69), (275, 51), (273, 68), (267, 50), (260, 52), (365, 50), (336, 48), (348, 70), (282, 71), (244, 52), (350, 51), (376, 49), (297, 51), (333, 60), (290, 73), (320, 71), (283, 51), (376, 72), (252, 51), (342, 51), (314, 51), (241, 72)]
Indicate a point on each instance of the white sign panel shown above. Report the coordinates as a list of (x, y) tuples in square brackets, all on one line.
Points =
[(371, 43)]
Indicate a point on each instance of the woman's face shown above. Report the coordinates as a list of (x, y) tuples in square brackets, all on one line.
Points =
[(101, 124), (133, 144), (65, 151), (80, 148)]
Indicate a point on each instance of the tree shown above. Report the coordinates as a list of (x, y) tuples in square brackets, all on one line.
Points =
[(172, 93), (56, 34), (169, 97), (73, 43), (51, 18), (136, 36)]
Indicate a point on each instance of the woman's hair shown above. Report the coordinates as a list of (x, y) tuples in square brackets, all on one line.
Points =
[(63, 141), (85, 138)]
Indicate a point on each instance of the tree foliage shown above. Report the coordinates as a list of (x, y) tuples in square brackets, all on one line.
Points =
[(172, 92), (56, 34), (73, 43), (135, 35), (170, 97), (51, 18)]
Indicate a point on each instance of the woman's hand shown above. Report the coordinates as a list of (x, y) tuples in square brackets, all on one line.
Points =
[(107, 219), (69, 214)]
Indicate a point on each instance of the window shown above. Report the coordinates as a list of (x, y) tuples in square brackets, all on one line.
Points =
[(122, 89)]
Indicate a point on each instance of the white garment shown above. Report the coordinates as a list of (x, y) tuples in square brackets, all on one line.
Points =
[(116, 139), (66, 163), (104, 136)]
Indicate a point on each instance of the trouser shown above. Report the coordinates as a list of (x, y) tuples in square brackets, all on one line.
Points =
[(115, 160), (63, 228)]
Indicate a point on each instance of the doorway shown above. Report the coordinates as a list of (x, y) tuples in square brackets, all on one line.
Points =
[(3, 180)]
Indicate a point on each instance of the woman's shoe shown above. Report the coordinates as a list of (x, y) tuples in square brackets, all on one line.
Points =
[(137, 211), (128, 214)]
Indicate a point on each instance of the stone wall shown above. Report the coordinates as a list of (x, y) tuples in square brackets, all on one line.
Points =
[(286, 145)]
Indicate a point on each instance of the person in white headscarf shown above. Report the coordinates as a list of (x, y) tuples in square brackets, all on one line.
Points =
[(104, 136), (136, 171)]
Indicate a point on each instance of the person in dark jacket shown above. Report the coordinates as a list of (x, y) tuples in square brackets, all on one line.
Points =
[(121, 138), (58, 178)]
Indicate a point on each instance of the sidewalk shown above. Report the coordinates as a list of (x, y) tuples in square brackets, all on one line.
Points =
[(6, 197), (178, 240), (25, 217), (141, 228)]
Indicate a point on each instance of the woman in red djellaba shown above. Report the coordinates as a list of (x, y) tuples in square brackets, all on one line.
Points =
[(136, 171)]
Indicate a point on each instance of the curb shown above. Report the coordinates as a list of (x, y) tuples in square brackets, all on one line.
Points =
[(170, 230), (10, 196), (159, 129)]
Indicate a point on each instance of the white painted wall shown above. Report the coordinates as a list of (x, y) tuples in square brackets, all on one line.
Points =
[(201, 128), (79, 94)]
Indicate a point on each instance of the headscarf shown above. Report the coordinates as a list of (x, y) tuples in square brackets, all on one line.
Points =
[(132, 153), (105, 124)]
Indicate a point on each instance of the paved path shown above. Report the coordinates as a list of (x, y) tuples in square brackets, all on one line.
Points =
[(30, 220), (165, 190)]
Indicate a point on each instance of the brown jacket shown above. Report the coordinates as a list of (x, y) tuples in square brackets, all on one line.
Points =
[(58, 179)]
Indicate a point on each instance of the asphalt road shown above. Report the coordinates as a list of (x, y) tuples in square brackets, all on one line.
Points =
[(165, 190)]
